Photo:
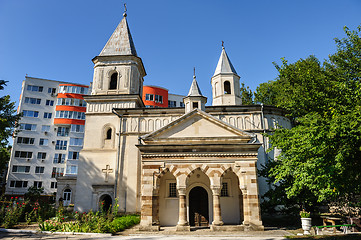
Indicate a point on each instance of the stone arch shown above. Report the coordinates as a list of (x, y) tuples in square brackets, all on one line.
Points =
[(199, 178), (168, 202), (227, 87), (247, 123), (240, 123), (191, 169), (158, 124), (165, 122), (108, 136), (143, 125), (232, 121), (231, 197), (113, 77), (105, 202), (150, 125)]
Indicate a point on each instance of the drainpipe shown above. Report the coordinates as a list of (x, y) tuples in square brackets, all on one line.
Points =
[(118, 155), (264, 131)]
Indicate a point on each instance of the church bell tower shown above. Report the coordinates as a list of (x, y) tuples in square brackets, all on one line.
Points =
[(117, 69), (225, 83)]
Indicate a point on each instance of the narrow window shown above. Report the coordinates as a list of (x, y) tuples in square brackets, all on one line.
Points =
[(109, 133), (224, 190), (227, 87), (172, 190), (113, 81)]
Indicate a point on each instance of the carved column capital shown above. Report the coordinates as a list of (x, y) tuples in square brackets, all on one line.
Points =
[(181, 190), (216, 189)]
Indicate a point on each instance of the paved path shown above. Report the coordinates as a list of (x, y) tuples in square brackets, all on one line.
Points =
[(22, 236)]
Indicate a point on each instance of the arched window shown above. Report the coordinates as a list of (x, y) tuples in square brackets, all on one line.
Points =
[(109, 134), (113, 81), (227, 87)]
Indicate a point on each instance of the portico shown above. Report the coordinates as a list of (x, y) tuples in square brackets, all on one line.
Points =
[(201, 174)]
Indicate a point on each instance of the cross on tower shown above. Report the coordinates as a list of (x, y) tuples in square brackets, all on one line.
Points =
[(107, 170)]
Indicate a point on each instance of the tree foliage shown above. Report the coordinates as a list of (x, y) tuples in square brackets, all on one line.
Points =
[(8, 119), (321, 154), (246, 95)]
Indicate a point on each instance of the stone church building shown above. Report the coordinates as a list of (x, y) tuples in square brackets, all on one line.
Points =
[(187, 166)]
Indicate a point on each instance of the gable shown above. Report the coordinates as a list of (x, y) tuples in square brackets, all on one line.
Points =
[(197, 125)]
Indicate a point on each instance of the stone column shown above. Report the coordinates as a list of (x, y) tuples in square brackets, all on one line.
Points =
[(217, 217), (183, 224)]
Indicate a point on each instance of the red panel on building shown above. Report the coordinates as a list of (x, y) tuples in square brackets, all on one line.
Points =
[(155, 96)]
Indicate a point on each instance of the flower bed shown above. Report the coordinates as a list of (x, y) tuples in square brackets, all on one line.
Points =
[(90, 222)]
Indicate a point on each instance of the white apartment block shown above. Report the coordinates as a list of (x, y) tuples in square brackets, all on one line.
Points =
[(50, 135)]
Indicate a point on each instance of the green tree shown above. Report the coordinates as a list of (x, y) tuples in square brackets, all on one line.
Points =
[(321, 154), (8, 119), (246, 95)]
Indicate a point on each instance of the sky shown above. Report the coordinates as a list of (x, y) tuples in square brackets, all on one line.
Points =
[(57, 39)]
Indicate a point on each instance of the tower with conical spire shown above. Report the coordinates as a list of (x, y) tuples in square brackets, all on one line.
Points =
[(194, 99), (225, 83), (117, 69)]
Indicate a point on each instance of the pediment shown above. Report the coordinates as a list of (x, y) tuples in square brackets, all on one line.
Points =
[(197, 125)]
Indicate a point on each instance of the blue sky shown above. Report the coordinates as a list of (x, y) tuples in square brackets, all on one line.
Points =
[(57, 39)]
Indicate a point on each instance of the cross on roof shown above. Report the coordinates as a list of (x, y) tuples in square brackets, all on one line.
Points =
[(107, 170)]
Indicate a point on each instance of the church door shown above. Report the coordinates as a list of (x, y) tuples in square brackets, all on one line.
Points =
[(105, 202), (198, 207)]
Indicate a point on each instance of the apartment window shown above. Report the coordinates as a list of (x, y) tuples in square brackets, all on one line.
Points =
[(45, 128), (41, 155), (77, 128), (38, 184), (23, 154), (76, 142), (49, 103), (72, 89), (149, 97), (158, 99), (25, 140), (43, 142), (70, 114), (181, 104), (21, 169), (172, 189), (59, 158), (172, 104), (61, 145), (71, 169), (34, 88), (57, 172), (47, 115), (39, 170), (27, 126), (52, 90), (224, 190), (27, 113), (19, 184), (73, 155), (32, 100), (53, 185), (63, 131)]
